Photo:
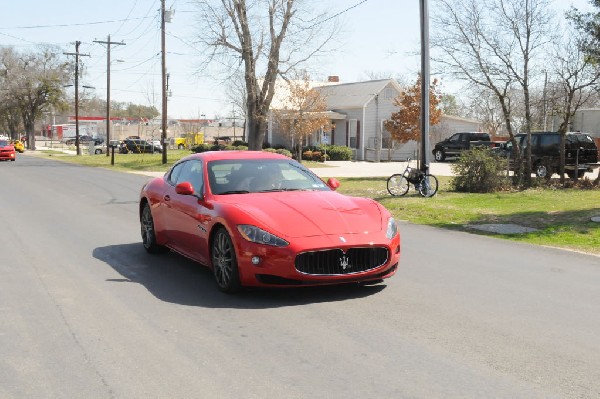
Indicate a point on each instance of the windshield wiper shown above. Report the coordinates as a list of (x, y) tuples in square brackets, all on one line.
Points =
[(234, 192), (281, 189)]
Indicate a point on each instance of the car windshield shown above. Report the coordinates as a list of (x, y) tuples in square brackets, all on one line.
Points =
[(3, 143), (242, 176)]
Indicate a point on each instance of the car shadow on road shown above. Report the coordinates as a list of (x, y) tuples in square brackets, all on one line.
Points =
[(176, 279)]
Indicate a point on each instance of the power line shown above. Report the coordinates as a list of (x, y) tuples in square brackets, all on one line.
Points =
[(75, 24), (338, 14)]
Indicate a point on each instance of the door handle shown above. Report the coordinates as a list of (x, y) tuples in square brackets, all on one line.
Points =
[(167, 198)]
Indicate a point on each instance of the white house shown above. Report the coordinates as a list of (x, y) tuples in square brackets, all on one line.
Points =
[(357, 111)]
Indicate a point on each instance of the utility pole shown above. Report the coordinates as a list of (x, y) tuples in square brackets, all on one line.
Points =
[(108, 44), (163, 137), (77, 55), (424, 13)]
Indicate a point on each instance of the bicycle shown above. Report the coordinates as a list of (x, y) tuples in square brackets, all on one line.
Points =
[(399, 183)]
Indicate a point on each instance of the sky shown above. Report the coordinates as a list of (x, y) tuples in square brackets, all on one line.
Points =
[(378, 38)]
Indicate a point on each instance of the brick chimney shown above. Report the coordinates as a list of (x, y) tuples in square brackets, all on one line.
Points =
[(333, 79)]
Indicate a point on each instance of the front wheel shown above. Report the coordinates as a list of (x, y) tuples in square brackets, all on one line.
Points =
[(148, 232), (180, 147), (397, 185), (428, 186), (98, 151), (224, 262), (439, 155), (541, 170)]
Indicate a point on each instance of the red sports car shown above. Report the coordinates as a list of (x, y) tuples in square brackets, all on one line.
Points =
[(7, 151), (262, 219)]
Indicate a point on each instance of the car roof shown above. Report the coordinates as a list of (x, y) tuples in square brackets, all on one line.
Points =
[(234, 154)]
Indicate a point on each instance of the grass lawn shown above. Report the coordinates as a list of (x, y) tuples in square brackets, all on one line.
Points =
[(561, 217)]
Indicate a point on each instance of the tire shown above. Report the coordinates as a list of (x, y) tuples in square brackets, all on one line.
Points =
[(575, 174), (148, 232), (397, 185), (224, 262), (181, 147), (428, 186), (541, 170), (439, 155), (98, 151)]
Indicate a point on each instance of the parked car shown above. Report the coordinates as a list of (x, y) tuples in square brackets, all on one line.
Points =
[(7, 151), (83, 139), (97, 146), (157, 144), (19, 146), (263, 219), (137, 146), (581, 153), (459, 142)]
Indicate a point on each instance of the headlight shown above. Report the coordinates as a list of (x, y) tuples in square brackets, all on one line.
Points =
[(259, 236), (392, 229)]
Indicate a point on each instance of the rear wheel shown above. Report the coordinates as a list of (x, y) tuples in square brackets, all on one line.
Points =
[(224, 262), (575, 173), (428, 186), (180, 147), (98, 151), (397, 185)]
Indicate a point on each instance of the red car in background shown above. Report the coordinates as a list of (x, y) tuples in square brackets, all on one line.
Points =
[(262, 219), (7, 151)]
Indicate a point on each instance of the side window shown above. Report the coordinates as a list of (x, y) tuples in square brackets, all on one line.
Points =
[(191, 171), (454, 138)]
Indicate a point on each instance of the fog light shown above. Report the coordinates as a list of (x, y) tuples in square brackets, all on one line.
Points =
[(255, 260)]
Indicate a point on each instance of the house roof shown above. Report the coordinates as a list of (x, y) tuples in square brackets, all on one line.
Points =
[(356, 94)]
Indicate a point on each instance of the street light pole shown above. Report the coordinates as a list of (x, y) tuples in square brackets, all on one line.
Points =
[(424, 13), (163, 137)]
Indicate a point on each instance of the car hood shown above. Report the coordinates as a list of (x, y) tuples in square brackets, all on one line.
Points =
[(310, 213)]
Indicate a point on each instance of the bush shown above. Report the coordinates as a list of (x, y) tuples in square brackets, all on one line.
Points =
[(338, 152), (307, 155), (284, 151), (202, 148), (479, 171)]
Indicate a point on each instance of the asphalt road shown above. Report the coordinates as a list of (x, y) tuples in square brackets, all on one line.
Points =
[(86, 313)]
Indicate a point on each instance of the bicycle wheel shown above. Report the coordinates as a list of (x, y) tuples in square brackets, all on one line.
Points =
[(428, 186), (397, 185)]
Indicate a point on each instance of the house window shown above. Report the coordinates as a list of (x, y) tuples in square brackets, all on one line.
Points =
[(389, 93), (352, 133)]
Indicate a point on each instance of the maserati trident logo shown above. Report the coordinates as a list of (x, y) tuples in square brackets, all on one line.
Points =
[(345, 262)]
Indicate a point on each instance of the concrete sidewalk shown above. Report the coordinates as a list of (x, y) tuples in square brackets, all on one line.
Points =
[(374, 169)]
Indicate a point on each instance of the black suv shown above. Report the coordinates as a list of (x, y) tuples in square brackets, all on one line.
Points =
[(459, 142), (581, 153), (137, 146)]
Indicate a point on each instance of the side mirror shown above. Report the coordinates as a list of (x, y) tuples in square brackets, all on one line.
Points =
[(184, 188), (333, 183)]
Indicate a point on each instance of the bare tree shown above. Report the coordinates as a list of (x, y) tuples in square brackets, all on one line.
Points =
[(266, 39), (493, 44), (484, 106), (575, 75)]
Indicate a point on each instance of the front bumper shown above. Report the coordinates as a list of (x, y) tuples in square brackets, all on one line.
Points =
[(277, 266)]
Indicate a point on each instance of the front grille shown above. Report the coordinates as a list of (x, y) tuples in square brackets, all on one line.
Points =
[(336, 261)]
